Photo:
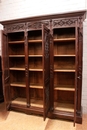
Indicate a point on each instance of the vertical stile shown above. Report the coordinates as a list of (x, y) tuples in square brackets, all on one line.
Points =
[(5, 70), (76, 64), (46, 68), (26, 67), (43, 68), (51, 70), (51, 75)]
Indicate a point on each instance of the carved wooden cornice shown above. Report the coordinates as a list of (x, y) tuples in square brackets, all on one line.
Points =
[(73, 14)]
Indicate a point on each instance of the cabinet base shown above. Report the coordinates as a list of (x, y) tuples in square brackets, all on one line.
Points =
[(54, 114), (65, 116)]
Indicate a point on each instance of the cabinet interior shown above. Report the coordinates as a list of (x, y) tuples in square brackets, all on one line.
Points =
[(61, 33), (35, 61), (64, 68)]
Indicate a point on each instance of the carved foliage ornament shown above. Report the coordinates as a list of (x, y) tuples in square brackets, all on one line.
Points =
[(46, 46)]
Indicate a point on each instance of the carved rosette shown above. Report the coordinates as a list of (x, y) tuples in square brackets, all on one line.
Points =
[(26, 70), (64, 22), (38, 24), (15, 27)]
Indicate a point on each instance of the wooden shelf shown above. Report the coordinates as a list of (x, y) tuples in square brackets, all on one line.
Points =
[(64, 55), (33, 102), (20, 101), (35, 55), (34, 41), (16, 68), (35, 69), (64, 39), (64, 107), (18, 84), (64, 70), (36, 86), (36, 103), (15, 42), (64, 87), (16, 55)]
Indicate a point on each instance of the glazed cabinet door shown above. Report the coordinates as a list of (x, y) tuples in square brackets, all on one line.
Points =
[(46, 69), (5, 71)]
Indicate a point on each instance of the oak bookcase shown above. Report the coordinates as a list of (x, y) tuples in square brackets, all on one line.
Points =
[(42, 65)]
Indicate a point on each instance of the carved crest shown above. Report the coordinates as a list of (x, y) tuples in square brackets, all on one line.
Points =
[(37, 25)]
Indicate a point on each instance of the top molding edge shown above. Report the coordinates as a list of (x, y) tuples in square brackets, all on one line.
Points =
[(45, 17)]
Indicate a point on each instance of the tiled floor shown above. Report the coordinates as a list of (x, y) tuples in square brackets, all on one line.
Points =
[(19, 121)]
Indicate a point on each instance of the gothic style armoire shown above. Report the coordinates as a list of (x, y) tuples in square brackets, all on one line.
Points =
[(42, 65)]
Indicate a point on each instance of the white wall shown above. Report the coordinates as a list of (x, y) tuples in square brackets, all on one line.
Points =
[(13, 9), (84, 81), (1, 28)]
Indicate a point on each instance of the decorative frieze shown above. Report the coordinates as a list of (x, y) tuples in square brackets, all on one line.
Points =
[(15, 27), (37, 24), (64, 22)]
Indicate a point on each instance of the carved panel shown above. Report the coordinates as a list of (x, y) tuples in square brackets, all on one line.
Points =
[(51, 71), (64, 22), (80, 35), (46, 45), (80, 72), (15, 27), (37, 24), (80, 22), (26, 35)]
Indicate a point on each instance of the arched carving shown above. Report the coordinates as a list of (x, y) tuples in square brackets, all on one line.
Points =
[(38, 24)]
